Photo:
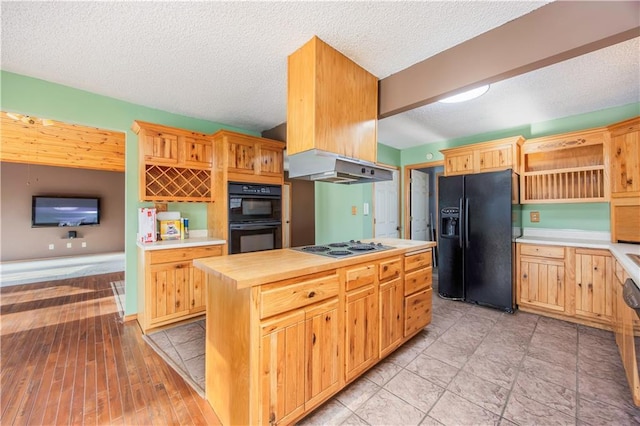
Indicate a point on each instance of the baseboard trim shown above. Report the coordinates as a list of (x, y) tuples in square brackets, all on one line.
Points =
[(131, 317)]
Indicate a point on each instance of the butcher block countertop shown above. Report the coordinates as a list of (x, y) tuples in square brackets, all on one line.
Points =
[(257, 268)]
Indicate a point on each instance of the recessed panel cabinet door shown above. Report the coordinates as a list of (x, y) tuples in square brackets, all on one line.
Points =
[(271, 161), (169, 290), (282, 362), (542, 283), (625, 163), (198, 290), (160, 147)]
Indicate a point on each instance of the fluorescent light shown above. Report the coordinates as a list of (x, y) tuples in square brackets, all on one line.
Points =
[(466, 96)]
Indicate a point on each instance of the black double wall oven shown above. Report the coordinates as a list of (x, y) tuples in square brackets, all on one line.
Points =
[(255, 217)]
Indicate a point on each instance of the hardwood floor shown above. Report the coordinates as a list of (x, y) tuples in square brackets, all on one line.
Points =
[(67, 358)]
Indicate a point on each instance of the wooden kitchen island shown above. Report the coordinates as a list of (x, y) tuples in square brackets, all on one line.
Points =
[(286, 330)]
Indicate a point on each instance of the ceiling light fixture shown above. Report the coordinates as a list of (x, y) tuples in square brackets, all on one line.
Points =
[(466, 96)]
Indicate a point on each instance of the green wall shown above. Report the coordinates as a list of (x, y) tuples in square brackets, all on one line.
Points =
[(40, 98), (584, 216)]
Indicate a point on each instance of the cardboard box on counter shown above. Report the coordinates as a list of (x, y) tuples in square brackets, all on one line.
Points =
[(147, 225)]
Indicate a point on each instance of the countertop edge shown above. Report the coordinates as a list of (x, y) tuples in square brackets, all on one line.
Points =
[(177, 244), (324, 264)]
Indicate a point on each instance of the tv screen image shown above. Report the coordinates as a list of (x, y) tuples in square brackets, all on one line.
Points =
[(65, 211)]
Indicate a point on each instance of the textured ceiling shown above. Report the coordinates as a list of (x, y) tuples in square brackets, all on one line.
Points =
[(226, 61)]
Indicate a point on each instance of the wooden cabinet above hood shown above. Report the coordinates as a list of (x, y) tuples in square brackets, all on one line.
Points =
[(332, 104)]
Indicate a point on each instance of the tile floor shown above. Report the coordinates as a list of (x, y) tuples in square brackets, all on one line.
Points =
[(475, 366)]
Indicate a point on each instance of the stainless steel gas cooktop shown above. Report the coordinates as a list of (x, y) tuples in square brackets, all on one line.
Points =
[(345, 249)]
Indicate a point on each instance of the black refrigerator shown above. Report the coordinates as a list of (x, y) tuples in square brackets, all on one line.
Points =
[(479, 221)]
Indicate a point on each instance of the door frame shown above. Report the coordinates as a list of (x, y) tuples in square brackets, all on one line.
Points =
[(407, 193), (373, 199)]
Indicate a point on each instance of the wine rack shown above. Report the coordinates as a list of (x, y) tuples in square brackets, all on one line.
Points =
[(166, 183)]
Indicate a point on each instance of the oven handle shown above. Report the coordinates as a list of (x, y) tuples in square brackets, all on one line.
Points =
[(255, 227)]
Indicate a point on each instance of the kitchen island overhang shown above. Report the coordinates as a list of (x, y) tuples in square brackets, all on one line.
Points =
[(286, 330)]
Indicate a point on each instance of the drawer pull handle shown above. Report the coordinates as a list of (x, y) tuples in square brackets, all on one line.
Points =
[(386, 268), (312, 294), (313, 340)]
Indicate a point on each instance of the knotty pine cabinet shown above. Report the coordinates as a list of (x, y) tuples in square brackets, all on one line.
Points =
[(361, 318), (301, 352), (570, 283), (332, 103), (170, 289), (625, 180), (417, 291), (566, 168), (174, 164), (483, 157), (626, 334), (251, 159)]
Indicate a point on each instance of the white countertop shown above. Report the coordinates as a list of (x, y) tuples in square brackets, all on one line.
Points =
[(586, 239), (186, 243)]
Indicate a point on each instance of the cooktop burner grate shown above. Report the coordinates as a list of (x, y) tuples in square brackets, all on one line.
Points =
[(339, 253), (315, 249), (362, 247), (339, 245)]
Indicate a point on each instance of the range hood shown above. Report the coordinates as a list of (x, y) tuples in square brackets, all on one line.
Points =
[(323, 166)]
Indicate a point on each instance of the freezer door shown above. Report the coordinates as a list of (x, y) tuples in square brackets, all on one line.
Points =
[(450, 270), (488, 251)]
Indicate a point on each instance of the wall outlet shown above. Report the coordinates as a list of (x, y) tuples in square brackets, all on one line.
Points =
[(84, 244), (535, 216), (51, 246), (354, 210), (68, 245), (365, 209)]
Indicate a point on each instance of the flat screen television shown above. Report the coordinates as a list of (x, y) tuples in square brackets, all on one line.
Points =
[(64, 211)]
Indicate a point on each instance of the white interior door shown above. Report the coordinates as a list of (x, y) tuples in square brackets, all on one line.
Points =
[(419, 206), (385, 215), (286, 215)]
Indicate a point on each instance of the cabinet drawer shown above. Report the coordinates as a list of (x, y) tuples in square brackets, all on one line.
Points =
[(418, 260), (390, 269), (360, 276), (557, 252), (417, 311), (417, 280), (177, 255), (275, 299)]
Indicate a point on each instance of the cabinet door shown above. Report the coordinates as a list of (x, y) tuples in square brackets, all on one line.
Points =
[(271, 161), (198, 290), (361, 330), (169, 293), (495, 158), (594, 284), (160, 147), (417, 311), (323, 352), (542, 283), (242, 156), (282, 363), (391, 315), (195, 152), (458, 164), (625, 164)]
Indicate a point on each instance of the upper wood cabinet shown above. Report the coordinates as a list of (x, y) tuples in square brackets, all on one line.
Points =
[(483, 157), (625, 158), (625, 180), (249, 159), (332, 103), (570, 167), (174, 164)]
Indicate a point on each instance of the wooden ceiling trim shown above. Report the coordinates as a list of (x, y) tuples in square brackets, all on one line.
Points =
[(61, 144)]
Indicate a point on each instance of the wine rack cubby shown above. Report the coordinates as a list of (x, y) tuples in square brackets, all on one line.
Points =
[(165, 183)]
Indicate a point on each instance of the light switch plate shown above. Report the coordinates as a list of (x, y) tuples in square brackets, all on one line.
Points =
[(535, 216)]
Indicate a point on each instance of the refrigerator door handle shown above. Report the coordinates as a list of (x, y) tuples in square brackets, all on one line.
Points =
[(459, 224), (466, 222)]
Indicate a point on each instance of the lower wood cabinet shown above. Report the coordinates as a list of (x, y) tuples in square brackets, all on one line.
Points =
[(170, 289), (300, 361), (287, 346), (571, 283)]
